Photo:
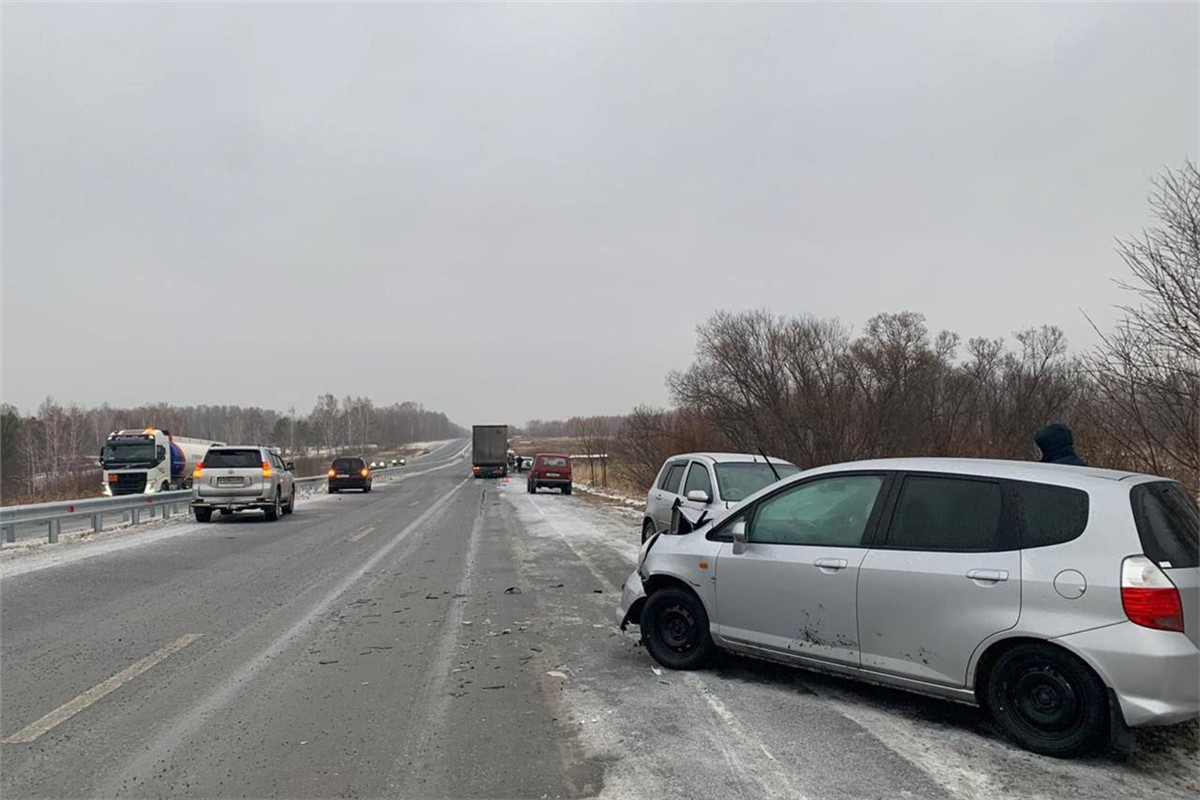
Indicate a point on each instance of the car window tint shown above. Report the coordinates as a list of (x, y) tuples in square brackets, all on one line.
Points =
[(1049, 514), (674, 475), (1168, 524), (553, 461), (947, 514), (829, 511), (697, 478), (232, 459), (347, 464)]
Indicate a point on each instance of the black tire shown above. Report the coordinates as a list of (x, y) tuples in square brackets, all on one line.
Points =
[(333, 490), (566, 490), (1048, 701), (647, 530), (224, 512), (529, 487), (675, 629), (273, 511), (202, 514), (291, 503), (367, 489)]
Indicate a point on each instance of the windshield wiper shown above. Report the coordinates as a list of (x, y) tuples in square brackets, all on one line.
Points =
[(774, 471)]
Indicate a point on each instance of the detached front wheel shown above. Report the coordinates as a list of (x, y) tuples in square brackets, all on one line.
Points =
[(1048, 701), (675, 629)]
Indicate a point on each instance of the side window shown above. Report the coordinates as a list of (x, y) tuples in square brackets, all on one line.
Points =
[(698, 478), (831, 511), (671, 480), (1049, 514), (946, 514)]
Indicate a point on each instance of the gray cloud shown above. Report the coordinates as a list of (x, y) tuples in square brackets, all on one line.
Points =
[(511, 211)]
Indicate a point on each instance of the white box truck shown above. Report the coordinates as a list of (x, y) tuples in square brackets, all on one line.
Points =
[(149, 461)]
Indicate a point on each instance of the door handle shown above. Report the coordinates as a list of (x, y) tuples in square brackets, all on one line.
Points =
[(830, 564), (989, 575)]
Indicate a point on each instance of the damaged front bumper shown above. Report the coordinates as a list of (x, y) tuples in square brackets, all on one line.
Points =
[(633, 597)]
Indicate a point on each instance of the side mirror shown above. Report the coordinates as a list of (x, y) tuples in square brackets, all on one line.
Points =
[(738, 531), (699, 496), (290, 466)]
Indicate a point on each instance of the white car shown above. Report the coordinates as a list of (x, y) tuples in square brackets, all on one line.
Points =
[(712, 481)]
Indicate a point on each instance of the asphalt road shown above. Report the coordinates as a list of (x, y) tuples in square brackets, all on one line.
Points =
[(443, 637)]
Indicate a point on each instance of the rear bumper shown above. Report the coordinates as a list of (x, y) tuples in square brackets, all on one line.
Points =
[(349, 483), (489, 471), (550, 483), (1154, 674), (232, 503)]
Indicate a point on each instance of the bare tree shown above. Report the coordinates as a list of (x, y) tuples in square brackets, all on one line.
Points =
[(1147, 372)]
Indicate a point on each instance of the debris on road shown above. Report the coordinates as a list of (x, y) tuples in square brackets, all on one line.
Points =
[(513, 590), (556, 674), (332, 661)]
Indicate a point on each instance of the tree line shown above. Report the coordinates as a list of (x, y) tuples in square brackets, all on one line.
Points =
[(53, 451), (807, 389)]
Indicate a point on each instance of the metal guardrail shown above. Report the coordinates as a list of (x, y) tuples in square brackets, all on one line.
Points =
[(52, 515)]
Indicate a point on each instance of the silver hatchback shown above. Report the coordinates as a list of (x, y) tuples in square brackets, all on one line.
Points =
[(1062, 599), (235, 478)]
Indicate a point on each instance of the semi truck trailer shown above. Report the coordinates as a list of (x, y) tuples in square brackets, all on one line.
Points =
[(489, 451)]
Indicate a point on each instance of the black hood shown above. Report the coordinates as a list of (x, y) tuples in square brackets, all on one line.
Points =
[(1057, 445)]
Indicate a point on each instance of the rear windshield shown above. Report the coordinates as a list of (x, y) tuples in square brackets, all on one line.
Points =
[(1168, 524), (348, 463), (738, 481), (553, 461), (233, 458)]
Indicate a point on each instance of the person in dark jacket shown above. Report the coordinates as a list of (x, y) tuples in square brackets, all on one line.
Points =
[(1058, 445)]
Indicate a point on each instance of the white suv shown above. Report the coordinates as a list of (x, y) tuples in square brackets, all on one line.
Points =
[(234, 478)]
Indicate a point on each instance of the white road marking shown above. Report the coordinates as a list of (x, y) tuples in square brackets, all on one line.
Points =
[(361, 534), (69, 709)]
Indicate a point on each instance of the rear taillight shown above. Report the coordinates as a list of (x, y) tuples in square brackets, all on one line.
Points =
[(198, 471), (267, 469), (365, 472), (1149, 597), (333, 473)]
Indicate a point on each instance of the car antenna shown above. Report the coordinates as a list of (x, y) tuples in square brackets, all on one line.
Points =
[(774, 471)]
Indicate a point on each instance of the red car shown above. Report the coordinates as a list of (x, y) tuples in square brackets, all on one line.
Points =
[(550, 470)]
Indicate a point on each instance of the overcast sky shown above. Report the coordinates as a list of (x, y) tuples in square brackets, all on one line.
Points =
[(519, 211)]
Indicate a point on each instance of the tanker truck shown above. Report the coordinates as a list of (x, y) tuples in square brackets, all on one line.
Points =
[(149, 461)]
